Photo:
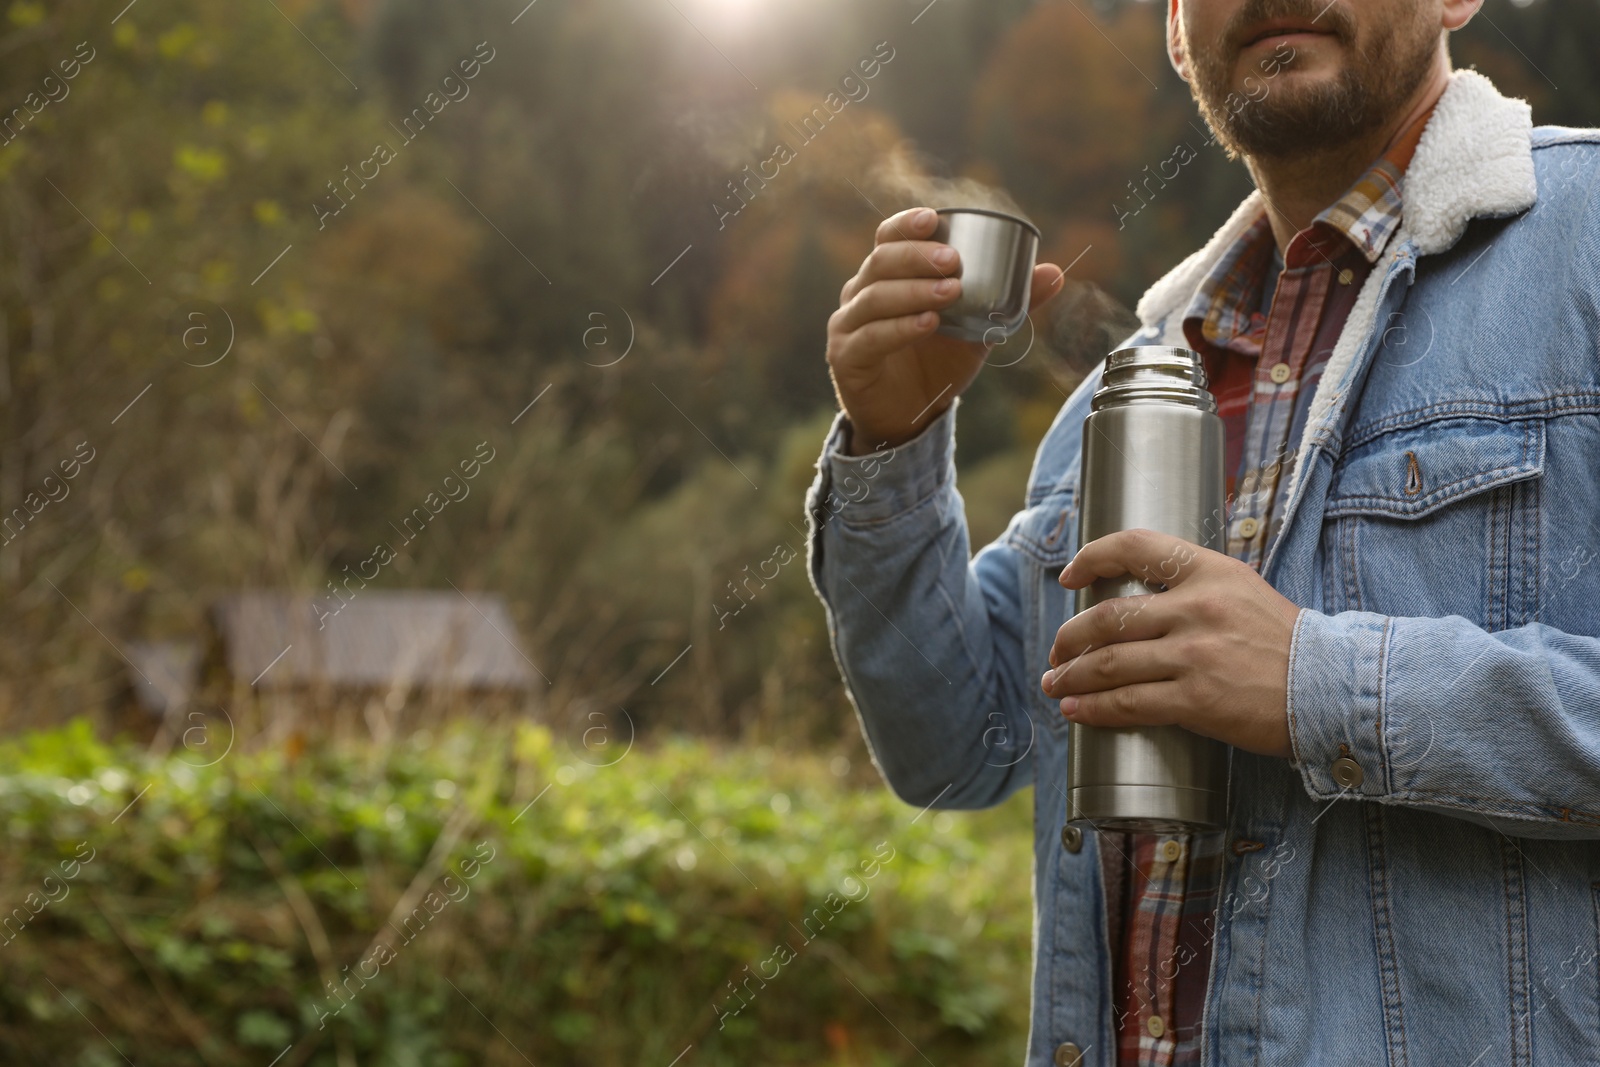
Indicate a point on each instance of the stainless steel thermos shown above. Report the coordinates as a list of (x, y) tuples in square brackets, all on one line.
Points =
[(1152, 458)]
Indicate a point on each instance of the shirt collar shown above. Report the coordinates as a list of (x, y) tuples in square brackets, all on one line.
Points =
[(1365, 217), (1228, 301), (1369, 211)]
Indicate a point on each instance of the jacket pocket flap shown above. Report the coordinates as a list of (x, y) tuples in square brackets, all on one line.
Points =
[(1412, 472)]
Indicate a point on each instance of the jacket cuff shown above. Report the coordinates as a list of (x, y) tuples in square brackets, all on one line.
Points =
[(882, 485), (1335, 702)]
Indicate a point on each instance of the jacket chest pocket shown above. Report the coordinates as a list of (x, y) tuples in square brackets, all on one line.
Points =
[(1438, 519), (1045, 537)]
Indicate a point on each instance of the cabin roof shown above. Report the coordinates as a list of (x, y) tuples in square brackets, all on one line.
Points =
[(422, 638)]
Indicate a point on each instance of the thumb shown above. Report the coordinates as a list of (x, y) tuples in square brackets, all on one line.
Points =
[(1048, 281)]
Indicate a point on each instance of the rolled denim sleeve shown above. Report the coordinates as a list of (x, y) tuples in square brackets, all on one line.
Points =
[(1500, 728), (928, 641)]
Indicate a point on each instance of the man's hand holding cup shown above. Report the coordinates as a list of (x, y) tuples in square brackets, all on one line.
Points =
[(893, 370)]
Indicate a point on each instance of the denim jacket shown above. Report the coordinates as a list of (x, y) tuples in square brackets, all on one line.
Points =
[(1441, 540)]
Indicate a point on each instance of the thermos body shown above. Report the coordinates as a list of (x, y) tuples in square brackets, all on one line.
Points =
[(1153, 459)]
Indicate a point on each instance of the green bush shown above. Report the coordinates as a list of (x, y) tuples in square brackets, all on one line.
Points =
[(487, 898)]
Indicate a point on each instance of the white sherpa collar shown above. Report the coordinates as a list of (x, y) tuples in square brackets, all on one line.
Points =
[(1474, 159)]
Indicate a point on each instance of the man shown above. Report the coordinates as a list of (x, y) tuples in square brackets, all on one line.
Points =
[(1402, 326)]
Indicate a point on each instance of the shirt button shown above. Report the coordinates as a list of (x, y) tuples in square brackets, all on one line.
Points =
[(1155, 1026), (1279, 373), (1170, 851), (1346, 275), (1071, 838), (1347, 772), (1068, 1055), (1248, 528)]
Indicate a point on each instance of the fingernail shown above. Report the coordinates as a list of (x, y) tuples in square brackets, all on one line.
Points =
[(926, 319), (1069, 706), (945, 287), (925, 217), (1049, 676), (944, 256)]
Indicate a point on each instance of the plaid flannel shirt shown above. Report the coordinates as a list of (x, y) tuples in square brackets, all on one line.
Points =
[(1265, 348)]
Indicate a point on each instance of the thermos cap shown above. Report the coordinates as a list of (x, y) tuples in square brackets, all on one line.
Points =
[(1160, 373)]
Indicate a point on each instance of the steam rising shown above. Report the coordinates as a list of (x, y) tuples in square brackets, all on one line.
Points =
[(904, 178), (1083, 323), (1079, 326)]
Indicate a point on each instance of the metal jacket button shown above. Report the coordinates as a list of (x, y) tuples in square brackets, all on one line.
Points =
[(1347, 772), (1071, 838), (1068, 1055)]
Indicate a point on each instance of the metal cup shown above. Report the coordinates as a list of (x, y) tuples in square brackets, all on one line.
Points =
[(996, 271)]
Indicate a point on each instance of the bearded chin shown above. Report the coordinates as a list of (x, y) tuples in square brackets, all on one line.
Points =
[(1291, 121), (1294, 119)]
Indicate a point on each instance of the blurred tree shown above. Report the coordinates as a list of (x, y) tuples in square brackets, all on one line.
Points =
[(139, 316)]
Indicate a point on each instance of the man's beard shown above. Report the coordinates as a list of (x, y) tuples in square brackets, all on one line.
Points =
[(1374, 84)]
